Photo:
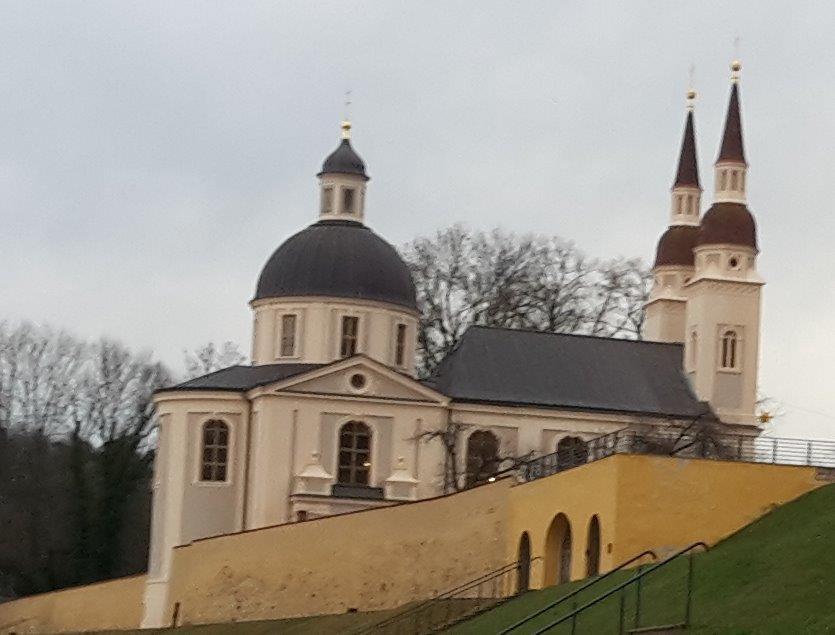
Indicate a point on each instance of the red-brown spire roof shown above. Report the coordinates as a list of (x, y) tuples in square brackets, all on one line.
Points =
[(688, 168), (732, 148)]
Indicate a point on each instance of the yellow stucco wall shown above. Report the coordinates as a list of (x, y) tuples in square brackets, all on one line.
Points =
[(579, 494), (671, 503), (646, 502), (387, 557), (112, 605), (367, 560)]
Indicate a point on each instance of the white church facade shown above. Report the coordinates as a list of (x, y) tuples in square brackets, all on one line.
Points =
[(330, 417)]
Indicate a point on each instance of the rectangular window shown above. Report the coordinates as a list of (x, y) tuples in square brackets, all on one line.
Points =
[(348, 343), (347, 200), (215, 457), (288, 335), (327, 200), (400, 345), (694, 345)]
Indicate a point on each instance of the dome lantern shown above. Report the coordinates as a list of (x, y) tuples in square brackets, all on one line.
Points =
[(342, 182)]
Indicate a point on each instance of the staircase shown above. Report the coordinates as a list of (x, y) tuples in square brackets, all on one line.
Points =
[(656, 599), (461, 603), (569, 601)]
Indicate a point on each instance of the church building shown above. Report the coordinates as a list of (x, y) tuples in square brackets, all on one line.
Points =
[(330, 417)]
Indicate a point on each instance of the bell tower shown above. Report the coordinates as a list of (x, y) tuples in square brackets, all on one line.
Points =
[(673, 268), (723, 297)]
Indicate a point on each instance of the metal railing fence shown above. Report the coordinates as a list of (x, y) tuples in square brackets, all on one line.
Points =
[(572, 596), (624, 613), (693, 444), (457, 604)]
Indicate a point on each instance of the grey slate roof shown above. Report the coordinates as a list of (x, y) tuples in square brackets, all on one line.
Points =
[(238, 378), (528, 368)]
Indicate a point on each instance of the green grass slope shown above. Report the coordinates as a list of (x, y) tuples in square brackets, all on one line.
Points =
[(775, 576)]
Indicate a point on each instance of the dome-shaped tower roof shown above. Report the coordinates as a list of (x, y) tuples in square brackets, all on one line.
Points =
[(340, 259), (344, 160), (675, 247), (728, 223)]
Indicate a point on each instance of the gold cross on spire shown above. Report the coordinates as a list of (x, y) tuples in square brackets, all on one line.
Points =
[(346, 121), (736, 65), (691, 90)]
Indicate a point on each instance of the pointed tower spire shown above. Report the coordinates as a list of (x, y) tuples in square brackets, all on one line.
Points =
[(732, 147), (687, 191), (721, 348), (731, 167), (673, 267), (687, 174)]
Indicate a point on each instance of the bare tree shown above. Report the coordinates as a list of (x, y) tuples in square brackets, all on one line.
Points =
[(115, 415), (76, 422), (210, 357), (449, 436), (502, 279), (463, 468)]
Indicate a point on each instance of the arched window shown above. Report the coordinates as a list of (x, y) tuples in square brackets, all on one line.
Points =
[(733, 179), (694, 343), (215, 456), (523, 572), (558, 551), (354, 453), (482, 456), (730, 344), (571, 451), (593, 548)]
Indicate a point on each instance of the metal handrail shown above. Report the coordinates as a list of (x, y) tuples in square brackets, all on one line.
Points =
[(636, 578), (466, 586), (691, 443), (568, 596)]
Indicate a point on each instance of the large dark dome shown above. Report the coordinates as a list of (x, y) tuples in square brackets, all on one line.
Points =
[(675, 247), (340, 259), (728, 223)]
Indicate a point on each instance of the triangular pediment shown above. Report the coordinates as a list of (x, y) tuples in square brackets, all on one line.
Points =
[(359, 377)]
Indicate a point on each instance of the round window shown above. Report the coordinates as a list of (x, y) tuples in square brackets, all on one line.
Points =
[(358, 381), (734, 262)]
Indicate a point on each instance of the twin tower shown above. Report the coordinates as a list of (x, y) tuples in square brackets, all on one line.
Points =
[(706, 289)]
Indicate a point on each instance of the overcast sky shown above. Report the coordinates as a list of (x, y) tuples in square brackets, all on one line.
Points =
[(154, 154)]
